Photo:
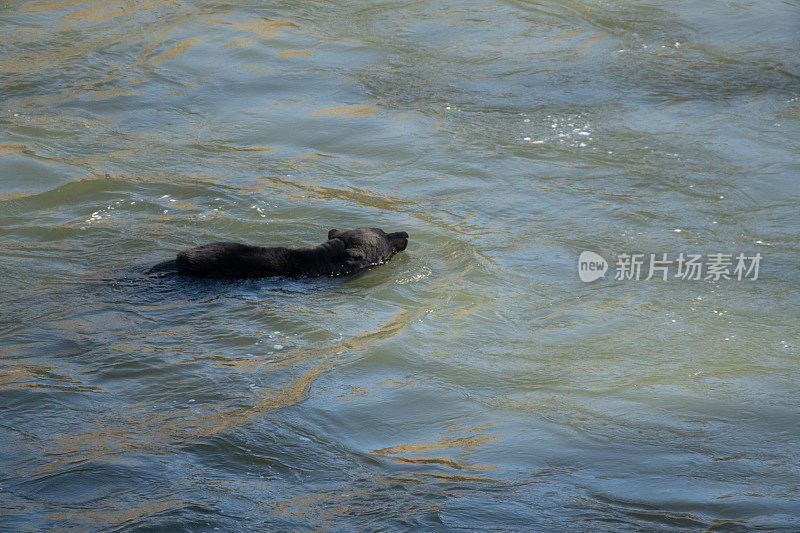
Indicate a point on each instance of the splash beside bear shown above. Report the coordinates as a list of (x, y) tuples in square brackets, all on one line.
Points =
[(344, 252)]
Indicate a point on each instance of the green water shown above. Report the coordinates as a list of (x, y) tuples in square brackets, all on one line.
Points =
[(473, 382)]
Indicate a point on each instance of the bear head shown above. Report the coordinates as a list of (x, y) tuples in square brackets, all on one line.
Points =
[(365, 247)]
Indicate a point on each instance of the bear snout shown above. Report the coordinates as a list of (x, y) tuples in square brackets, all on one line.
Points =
[(399, 240)]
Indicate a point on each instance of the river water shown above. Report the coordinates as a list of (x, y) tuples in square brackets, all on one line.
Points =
[(474, 381)]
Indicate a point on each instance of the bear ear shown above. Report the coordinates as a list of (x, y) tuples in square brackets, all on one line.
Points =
[(333, 233)]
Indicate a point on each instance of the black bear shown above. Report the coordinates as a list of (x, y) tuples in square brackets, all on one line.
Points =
[(343, 253)]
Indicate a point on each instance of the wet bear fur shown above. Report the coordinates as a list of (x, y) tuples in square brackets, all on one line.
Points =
[(343, 253)]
